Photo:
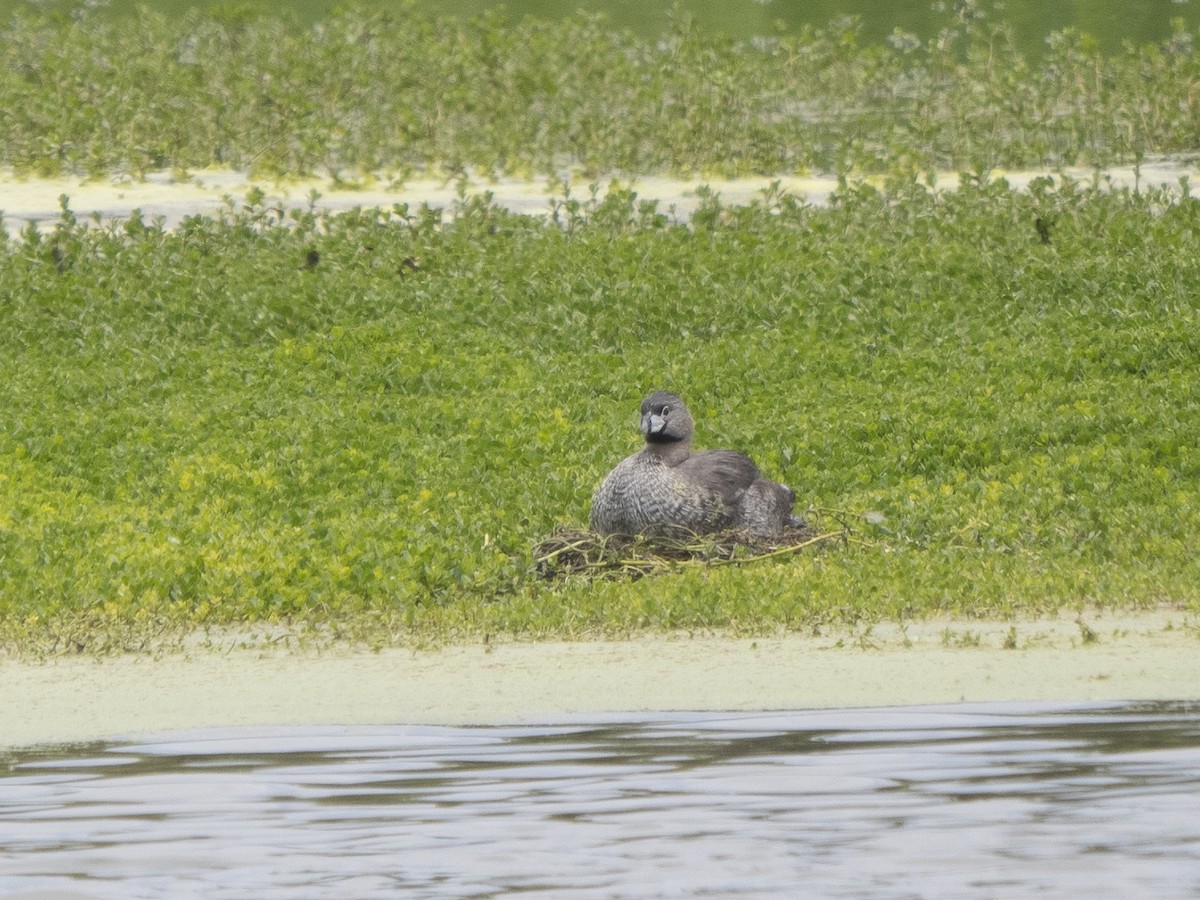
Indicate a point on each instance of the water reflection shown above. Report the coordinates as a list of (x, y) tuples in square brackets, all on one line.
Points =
[(955, 801)]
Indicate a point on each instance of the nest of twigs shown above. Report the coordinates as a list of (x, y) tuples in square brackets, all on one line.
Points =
[(571, 551)]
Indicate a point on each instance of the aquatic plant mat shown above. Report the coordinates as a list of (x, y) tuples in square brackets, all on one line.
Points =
[(571, 551), (360, 424), (279, 421), (411, 91)]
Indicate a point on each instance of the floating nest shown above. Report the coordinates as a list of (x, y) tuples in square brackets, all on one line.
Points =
[(571, 551)]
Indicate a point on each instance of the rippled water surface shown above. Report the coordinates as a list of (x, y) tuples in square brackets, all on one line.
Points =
[(967, 801)]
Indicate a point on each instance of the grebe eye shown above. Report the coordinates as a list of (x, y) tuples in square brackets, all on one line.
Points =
[(666, 409)]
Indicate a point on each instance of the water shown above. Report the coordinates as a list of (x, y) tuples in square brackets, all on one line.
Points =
[(964, 801)]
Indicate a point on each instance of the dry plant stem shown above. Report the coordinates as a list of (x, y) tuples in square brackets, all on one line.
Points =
[(785, 551)]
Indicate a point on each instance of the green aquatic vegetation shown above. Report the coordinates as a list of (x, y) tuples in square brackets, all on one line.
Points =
[(961, 639), (361, 94), (362, 424)]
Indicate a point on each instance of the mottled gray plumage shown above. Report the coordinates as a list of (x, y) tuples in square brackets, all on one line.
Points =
[(667, 486)]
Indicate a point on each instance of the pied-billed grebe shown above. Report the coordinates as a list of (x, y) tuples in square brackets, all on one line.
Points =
[(667, 486)]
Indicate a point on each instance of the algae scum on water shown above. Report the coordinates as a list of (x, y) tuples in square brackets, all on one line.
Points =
[(361, 423)]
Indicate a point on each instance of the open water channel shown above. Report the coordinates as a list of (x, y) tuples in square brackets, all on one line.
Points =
[(1008, 800)]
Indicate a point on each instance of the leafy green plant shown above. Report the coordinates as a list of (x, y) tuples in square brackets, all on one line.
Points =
[(361, 94), (363, 423)]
